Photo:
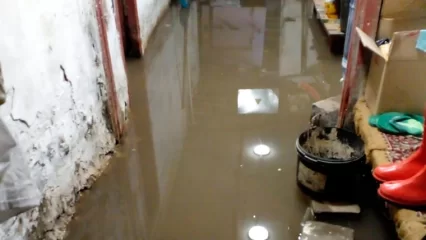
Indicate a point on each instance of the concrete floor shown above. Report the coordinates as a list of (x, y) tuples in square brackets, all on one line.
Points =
[(214, 83)]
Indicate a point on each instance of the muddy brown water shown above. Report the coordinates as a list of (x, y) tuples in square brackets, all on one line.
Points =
[(213, 83)]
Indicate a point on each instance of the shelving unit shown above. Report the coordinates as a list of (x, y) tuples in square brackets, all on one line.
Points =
[(331, 26)]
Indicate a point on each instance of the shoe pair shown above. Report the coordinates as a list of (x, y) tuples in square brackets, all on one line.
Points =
[(404, 182)]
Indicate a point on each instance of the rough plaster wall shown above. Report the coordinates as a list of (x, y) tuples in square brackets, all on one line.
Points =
[(50, 53), (149, 12)]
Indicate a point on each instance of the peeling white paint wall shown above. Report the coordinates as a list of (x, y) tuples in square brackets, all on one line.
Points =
[(52, 65), (149, 12)]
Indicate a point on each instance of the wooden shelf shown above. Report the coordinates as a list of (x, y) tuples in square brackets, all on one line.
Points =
[(332, 26)]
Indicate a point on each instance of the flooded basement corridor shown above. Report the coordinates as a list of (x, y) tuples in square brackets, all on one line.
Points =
[(215, 81)]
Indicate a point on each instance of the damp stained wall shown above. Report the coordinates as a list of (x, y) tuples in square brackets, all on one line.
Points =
[(149, 13), (56, 103)]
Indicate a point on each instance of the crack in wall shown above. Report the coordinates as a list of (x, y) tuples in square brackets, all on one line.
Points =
[(66, 79), (20, 120), (64, 74)]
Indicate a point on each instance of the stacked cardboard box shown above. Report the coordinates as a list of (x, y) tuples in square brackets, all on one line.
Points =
[(397, 76), (401, 15)]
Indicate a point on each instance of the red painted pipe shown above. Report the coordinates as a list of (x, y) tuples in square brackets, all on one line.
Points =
[(113, 105)]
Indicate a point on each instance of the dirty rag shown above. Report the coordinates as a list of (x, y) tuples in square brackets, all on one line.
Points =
[(18, 192)]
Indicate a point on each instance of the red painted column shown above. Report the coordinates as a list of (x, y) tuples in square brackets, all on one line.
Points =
[(113, 106)]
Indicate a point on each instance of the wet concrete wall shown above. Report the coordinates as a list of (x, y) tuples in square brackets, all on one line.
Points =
[(149, 13), (56, 102)]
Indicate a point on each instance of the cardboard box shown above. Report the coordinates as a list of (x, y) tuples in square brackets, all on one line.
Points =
[(387, 26), (397, 78), (403, 8)]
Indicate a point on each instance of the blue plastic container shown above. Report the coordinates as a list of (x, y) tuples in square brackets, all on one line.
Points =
[(348, 37), (184, 3)]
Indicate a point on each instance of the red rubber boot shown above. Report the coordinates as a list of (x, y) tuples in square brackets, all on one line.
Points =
[(410, 192), (405, 168)]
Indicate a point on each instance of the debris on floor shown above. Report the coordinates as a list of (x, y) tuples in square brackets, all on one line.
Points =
[(316, 230), (328, 207), (313, 230)]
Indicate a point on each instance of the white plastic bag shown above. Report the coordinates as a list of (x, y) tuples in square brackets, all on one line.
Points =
[(18, 193), (7, 143)]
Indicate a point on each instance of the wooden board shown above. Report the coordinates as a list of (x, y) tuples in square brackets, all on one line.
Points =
[(367, 14)]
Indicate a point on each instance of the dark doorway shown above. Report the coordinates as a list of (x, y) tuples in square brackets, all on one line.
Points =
[(130, 30)]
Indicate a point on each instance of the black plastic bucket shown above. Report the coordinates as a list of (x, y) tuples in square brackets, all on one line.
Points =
[(331, 178)]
